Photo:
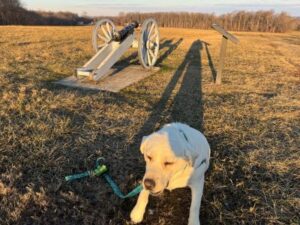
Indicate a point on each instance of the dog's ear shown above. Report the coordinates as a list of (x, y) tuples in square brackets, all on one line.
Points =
[(143, 144)]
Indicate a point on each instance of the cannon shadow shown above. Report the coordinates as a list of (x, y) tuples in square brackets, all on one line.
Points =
[(167, 46), (170, 46)]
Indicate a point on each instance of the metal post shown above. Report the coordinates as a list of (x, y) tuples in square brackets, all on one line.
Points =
[(225, 36), (221, 61)]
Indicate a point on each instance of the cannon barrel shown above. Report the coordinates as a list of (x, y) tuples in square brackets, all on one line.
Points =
[(122, 34)]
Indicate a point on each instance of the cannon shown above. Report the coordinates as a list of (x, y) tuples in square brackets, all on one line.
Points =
[(122, 34), (110, 44)]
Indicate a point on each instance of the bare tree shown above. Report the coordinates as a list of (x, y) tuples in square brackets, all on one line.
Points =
[(12, 12), (263, 21)]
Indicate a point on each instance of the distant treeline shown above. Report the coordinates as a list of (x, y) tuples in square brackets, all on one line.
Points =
[(12, 13), (261, 21)]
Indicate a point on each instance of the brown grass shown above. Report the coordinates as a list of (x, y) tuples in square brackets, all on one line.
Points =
[(47, 131)]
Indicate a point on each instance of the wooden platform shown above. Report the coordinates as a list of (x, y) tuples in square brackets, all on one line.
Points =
[(117, 79)]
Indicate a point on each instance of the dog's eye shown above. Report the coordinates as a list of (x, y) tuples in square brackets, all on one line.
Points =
[(168, 163), (149, 157)]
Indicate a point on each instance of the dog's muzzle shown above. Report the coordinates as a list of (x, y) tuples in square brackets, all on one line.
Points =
[(149, 184)]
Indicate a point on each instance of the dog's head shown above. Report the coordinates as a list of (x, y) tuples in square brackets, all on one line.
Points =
[(166, 154)]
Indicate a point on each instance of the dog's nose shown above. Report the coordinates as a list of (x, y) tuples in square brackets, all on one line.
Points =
[(149, 184)]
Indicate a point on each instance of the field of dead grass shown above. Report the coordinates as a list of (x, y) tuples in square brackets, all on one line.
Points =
[(252, 122)]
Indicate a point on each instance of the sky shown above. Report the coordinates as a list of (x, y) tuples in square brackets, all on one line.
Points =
[(113, 7)]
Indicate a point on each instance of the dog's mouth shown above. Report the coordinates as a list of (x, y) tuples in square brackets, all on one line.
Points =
[(156, 193)]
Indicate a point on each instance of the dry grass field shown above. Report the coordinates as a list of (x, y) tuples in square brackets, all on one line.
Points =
[(252, 122)]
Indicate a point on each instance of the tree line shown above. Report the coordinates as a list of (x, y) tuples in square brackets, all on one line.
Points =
[(12, 13), (259, 21)]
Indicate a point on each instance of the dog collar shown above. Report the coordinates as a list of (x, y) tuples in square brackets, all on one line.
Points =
[(203, 161), (184, 135)]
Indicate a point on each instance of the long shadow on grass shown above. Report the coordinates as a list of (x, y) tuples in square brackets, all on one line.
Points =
[(210, 63), (186, 106), (171, 48), (132, 59)]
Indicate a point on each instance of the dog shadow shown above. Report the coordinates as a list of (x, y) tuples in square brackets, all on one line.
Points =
[(186, 107)]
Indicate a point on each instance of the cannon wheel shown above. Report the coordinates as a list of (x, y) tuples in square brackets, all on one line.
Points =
[(149, 43), (102, 34)]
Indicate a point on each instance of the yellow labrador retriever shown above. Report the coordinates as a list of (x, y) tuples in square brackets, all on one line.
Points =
[(176, 156)]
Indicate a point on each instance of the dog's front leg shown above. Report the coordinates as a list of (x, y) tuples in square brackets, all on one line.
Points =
[(138, 211), (197, 191)]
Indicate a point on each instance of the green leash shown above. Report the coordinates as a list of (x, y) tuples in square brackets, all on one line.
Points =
[(102, 170)]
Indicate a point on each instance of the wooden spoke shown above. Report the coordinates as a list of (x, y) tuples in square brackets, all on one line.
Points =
[(109, 30), (105, 32), (151, 29), (149, 58), (103, 38), (151, 53), (154, 35)]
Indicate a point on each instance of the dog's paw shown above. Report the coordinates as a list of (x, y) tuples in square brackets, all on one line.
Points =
[(194, 222), (136, 215)]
